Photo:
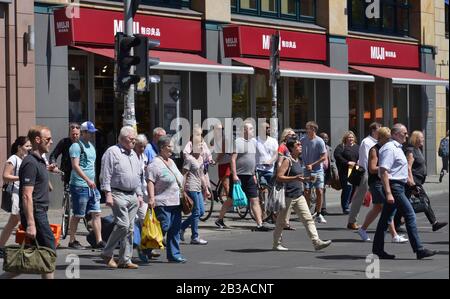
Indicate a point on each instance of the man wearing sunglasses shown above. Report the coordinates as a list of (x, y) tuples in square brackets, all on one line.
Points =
[(62, 149)]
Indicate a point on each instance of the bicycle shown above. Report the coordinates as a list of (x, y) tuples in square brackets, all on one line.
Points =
[(67, 211), (217, 196), (262, 196)]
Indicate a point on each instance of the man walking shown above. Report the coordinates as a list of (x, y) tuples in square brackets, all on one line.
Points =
[(314, 154), (443, 153), (243, 165), (83, 190), (120, 176), (363, 161), (151, 150), (34, 193), (393, 171)]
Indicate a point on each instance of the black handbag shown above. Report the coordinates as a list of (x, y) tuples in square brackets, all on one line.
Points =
[(356, 175), (7, 195), (6, 199), (419, 200)]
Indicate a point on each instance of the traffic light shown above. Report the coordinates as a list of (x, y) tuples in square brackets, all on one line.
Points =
[(124, 61), (146, 62), (274, 58)]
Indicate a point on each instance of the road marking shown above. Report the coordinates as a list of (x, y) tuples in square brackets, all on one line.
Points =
[(217, 264), (334, 269)]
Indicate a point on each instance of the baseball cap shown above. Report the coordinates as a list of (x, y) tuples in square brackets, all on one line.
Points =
[(88, 126)]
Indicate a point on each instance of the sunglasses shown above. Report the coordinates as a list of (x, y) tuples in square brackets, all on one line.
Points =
[(74, 127)]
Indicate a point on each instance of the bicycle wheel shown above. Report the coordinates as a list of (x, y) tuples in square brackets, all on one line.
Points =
[(66, 216), (209, 205), (264, 215), (242, 211)]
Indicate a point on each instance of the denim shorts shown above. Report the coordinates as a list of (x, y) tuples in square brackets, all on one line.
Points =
[(265, 177), (320, 179), (84, 200)]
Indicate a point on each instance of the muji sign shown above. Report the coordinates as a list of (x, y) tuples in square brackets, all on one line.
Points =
[(370, 52), (98, 27), (245, 40)]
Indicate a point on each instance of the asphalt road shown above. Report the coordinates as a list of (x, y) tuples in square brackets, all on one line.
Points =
[(240, 253)]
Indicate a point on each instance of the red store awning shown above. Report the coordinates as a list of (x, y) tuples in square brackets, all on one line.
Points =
[(305, 70), (178, 61), (402, 76)]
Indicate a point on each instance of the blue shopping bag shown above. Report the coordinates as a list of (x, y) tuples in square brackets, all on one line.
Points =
[(137, 234), (239, 197)]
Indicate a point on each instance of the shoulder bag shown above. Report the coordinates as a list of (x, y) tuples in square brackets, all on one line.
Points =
[(7, 194)]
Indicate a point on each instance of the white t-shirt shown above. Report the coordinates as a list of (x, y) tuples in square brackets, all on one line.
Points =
[(16, 161), (265, 151)]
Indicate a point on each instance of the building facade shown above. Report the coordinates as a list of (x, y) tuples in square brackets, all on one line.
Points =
[(339, 66)]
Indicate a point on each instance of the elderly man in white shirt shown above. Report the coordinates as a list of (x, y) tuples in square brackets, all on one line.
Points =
[(393, 171)]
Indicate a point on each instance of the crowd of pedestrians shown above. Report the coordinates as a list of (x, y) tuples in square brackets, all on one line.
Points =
[(137, 176)]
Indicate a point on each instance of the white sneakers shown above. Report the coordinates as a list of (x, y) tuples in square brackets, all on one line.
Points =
[(363, 234), (320, 219), (399, 239), (319, 245), (279, 248)]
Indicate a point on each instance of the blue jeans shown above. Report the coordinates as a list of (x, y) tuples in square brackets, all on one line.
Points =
[(401, 203), (197, 212), (44, 234), (170, 219), (346, 195)]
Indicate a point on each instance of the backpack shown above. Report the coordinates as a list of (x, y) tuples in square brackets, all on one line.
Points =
[(443, 148), (83, 155)]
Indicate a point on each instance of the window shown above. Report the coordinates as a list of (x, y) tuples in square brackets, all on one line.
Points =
[(297, 10), (78, 91), (165, 3), (301, 101), (446, 20), (241, 96), (393, 18)]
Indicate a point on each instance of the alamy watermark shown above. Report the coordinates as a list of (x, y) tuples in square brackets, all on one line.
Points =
[(73, 9), (73, 267), (373, 267), (373, 9)]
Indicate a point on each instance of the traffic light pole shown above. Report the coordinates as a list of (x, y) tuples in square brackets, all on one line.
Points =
[(129, 112), (274, 75)]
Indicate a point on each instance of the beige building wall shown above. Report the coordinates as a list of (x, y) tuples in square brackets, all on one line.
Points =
[(422, 21), (17, 74), (331, 15), (213, 10), (442, 70)]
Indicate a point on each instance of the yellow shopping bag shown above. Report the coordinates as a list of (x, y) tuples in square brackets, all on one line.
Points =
[(151, 235)]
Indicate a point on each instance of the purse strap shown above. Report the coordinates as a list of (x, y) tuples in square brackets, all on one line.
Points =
[(176, 178)]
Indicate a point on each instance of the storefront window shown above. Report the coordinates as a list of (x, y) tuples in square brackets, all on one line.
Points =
[(393, 19), (171, 95), (400, 104), (241, 96), (373, 110), (78, 93), (353, 106), (299, 10), (301, 100), (108, 116)]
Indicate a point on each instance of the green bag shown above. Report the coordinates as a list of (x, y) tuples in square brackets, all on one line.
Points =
[(29, 259)]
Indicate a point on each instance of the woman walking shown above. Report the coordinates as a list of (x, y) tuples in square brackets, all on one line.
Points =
[(196, 187), (291, 173), (346, 155), (164, 183), (19, 150), (417, 171)]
